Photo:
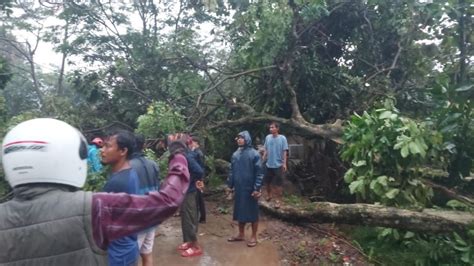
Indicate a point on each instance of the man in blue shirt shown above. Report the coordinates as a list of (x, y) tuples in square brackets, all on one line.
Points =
[(275, 156), (148, 176), (116, 152)]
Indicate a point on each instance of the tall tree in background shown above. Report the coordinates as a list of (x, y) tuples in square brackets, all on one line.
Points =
[(304, 63), (307, 64), (142, 64)]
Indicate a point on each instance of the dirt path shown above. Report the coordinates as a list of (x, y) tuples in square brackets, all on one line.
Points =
[(213, 238), (279, 243)]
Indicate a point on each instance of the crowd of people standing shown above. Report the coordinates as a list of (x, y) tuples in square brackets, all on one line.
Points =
[(120, 222)]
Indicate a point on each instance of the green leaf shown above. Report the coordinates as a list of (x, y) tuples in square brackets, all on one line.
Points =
[(386, 232), (414, 148), (466, 257), (382, 180), (355, 186), (462, 248), (422, 146), (470, 233), (359, 163), (404, 151), (464, 88), (392, 193), (385, 114), (409, 235), (396, 235), (459, 239), (398, 145), (349, 175), (377, 188), (413, 182)]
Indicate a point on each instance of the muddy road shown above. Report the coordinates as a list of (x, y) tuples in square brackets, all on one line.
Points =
[(212, 237), (279, 243)]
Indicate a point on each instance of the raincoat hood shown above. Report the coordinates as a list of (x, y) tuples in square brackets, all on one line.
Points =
[(248, 140)]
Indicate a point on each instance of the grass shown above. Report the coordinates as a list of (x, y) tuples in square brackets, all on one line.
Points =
[(293, 200), (417, 249), (214, 181)]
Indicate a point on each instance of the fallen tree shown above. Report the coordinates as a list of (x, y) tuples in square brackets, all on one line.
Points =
[(426, 220), (300, 126)]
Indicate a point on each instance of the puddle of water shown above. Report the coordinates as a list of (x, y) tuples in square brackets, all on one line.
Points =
[(213, 239)]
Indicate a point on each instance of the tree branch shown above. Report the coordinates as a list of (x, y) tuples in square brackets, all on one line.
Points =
[(328, 131), (233, 76)]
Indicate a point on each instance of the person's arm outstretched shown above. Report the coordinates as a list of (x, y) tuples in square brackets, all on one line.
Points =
[(115, 215)]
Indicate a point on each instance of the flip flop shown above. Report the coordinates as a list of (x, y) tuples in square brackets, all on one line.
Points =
[(277, 205), (191, 252), (184, 246), (234, 239), (252, 243)]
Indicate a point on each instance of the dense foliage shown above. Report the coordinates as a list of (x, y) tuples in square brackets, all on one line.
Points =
[(159, 120), (388, 153), (385, 150), (394, 247)]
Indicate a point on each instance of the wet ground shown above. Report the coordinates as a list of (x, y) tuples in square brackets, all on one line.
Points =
[(279, 243), (213, 237)]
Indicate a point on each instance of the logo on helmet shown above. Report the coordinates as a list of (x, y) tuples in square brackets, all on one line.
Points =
[(25, 146)]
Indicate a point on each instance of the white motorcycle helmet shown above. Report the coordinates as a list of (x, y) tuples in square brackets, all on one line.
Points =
[(45, 150)]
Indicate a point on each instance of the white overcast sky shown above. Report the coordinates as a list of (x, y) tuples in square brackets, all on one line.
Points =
[(49, 61)]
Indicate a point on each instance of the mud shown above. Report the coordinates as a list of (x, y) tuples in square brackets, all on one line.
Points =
[(279, 243), (212, 237)]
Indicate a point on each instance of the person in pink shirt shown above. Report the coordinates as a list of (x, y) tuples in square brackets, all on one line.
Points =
[(50, 221)]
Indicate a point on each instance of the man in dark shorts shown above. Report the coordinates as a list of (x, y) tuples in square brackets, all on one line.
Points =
[(275, 158)]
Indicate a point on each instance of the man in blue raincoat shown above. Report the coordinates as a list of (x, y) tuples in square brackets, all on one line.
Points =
[(246, 181)]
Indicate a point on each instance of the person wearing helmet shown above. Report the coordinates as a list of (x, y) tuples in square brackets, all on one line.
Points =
[(50, 221), (93, 157)]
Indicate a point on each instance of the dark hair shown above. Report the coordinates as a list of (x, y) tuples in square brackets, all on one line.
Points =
[(125, 139), (196, 139), (139, 142), (276, 124)]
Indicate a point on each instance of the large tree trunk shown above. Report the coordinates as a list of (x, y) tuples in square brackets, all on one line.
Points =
[(427, 220)]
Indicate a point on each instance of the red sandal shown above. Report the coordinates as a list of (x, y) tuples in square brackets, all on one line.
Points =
[(191, 252), (184, 246)]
